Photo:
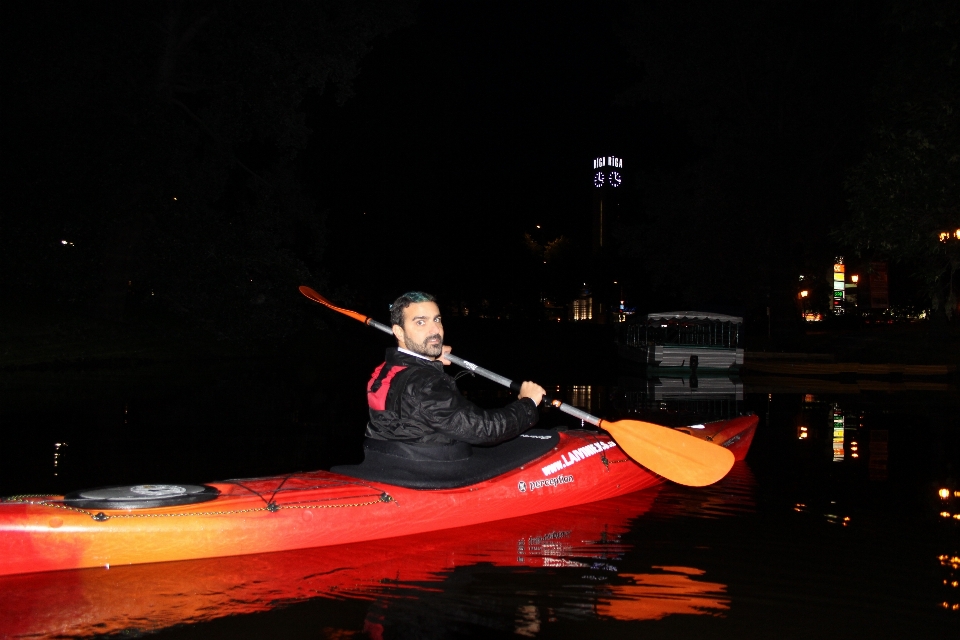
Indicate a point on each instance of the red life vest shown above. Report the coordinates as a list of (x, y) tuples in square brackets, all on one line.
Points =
[(379, 385)]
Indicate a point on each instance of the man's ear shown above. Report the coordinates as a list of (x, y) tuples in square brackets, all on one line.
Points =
[(398, 333)]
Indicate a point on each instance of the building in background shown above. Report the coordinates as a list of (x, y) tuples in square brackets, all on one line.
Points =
[(607, 180), (582, 308), (600, 299), (877, 290)]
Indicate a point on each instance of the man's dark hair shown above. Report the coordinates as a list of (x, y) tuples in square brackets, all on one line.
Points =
[(404, 301)]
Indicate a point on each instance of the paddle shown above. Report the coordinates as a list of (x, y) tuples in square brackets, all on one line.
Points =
[(674, 455)]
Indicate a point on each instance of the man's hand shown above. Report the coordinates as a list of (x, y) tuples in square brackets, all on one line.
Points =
[(533, 391), (443, 356)]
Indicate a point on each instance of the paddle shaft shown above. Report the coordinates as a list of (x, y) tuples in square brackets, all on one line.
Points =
[(501, 380)]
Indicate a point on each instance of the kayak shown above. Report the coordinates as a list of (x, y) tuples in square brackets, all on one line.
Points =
[(110, 527), (583, 547)]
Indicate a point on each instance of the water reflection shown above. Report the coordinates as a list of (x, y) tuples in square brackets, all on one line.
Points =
[(838, 433), (950, 564), (668, 400), (949, 561), (879, 454), (581, 396), (575, 553), (734, 496), (677, 400), (676, 590), (846, 429)]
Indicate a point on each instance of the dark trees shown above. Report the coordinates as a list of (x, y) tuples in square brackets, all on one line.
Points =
[(905, 191), (160, 142), (764, 97)]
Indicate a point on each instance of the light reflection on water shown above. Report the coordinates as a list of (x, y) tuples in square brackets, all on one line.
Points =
[(577, 551), (832, 528), (731, 497)]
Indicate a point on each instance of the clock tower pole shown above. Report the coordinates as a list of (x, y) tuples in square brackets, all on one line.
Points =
[(607, 178)]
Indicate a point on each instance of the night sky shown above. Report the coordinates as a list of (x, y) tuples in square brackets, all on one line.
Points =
[(470, 128), (479, 122), (216, 155)]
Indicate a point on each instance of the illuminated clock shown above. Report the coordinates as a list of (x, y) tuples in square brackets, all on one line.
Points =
[(615, 179), (598, 179)]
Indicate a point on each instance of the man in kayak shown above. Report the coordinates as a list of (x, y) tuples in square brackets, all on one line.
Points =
[(413, 401)]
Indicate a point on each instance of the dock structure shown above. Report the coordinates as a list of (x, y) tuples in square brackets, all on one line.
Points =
[(684, 341)]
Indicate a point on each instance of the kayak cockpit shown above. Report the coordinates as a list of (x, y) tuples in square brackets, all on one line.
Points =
[(446, 466)]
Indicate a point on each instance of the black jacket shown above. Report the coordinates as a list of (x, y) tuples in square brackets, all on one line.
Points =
[(412, 400)]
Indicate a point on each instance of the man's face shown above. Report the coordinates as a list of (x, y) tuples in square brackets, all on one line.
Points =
[(422, 330)]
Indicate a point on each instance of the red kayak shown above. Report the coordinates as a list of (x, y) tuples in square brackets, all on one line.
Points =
[(581, 544), (111, 527)]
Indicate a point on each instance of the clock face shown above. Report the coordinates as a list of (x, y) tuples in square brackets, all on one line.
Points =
[(615, 179), (598, 179)]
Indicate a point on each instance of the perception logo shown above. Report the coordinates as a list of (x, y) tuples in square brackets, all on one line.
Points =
[(522, 486), (533, 485)]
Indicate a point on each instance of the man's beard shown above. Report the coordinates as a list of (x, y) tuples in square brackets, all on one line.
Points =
[(425, 349)]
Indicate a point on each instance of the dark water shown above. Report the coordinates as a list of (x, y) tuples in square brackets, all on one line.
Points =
[(832, 528)]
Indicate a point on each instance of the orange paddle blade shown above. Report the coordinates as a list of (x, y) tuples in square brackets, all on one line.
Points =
[(316, 297), (674, 455)]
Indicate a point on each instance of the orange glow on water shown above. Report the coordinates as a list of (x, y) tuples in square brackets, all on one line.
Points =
[(653, 596)]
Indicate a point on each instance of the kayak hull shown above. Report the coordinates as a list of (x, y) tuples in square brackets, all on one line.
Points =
[(582, 547), (319, 509)]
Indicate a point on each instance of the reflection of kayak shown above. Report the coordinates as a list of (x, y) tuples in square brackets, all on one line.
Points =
[(316, 509), (393, 574)]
